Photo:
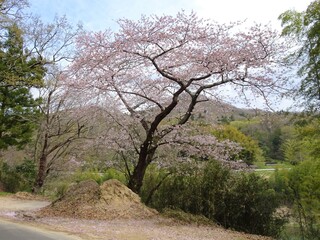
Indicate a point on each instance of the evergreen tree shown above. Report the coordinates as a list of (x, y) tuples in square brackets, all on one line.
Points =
[(19, 72)]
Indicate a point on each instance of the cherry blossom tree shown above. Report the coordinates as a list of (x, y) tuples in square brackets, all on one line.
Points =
[(156, 70)]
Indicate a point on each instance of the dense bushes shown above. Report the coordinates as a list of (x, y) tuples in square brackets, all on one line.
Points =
[(250, 205), (241, 201), (300, 191), (18, 178)]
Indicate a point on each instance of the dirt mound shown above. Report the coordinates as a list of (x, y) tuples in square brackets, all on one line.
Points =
[(88, 200), (28, 196)]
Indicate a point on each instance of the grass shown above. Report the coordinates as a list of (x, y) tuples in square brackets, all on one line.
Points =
[(267, 171), (4, 194), (277, 165)]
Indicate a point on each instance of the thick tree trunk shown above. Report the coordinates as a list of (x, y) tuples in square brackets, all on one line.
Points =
[(149, 146), (136, 179), (42, 171), (42, 165)]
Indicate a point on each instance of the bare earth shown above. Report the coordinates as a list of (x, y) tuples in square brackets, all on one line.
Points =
[(156, 228)]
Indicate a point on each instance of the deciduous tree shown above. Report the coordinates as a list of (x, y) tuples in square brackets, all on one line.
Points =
[(250, 151), (304, 27), (11, 11), (60, 125), (155, 65)]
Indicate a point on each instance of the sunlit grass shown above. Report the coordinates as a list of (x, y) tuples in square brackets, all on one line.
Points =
[(267, 170), (276, 165)]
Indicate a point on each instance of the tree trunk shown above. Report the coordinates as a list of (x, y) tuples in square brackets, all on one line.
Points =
[(136, 179), (41, 174)]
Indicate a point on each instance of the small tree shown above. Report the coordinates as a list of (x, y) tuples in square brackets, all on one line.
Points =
[(157, 65), (59, 124)]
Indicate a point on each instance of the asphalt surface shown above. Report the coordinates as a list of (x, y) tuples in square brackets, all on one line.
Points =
[(13, 231)]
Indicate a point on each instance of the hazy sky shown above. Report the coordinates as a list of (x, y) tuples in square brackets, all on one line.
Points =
[(101, 14)]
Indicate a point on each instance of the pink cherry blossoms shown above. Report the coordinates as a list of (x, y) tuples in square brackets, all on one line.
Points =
[(152, 66)]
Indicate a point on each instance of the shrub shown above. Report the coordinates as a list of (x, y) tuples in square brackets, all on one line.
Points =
[(18, 178), (114, 174), (178, 191), (9, 178), (80, 176), (304, 183), (250, 206), (100, 177), (61, 189), (299, 188), (242, 201), (27, 170)]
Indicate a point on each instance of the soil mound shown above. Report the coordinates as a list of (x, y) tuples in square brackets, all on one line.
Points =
[(28, 196), (88, 200)]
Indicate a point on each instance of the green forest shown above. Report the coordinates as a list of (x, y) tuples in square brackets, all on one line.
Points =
[(76, 105)]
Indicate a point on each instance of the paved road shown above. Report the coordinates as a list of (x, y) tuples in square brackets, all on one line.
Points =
[(13, 231)]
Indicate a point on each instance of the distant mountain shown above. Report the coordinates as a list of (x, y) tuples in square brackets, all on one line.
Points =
[(216, 111)]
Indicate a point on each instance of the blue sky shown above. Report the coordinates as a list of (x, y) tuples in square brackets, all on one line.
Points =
[(98, 15), (102, 14)]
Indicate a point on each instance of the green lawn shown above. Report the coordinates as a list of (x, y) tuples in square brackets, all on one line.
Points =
[(268, 170), (278, 165)]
